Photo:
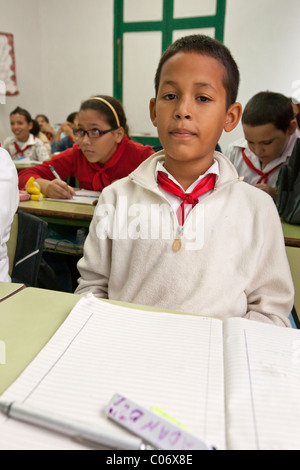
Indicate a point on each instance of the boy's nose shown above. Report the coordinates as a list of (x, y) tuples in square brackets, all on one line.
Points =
[(183, 109), (258, 150)]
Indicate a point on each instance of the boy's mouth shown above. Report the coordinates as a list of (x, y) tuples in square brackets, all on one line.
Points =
[(182, 133)]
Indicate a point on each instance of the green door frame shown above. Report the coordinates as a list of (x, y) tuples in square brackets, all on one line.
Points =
[(167, 25)]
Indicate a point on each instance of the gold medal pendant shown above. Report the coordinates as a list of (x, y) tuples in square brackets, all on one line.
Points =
[(177, 245)]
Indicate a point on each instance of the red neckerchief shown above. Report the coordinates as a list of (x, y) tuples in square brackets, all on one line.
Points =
[(264, 176), (206, 184), (101, 179), (21, 152)]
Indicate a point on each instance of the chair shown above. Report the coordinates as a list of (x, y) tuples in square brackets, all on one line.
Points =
[(25, 248)]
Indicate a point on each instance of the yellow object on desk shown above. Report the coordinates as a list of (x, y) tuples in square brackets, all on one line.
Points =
[(33, 188)]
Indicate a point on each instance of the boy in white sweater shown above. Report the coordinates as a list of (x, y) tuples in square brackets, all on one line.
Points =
[(217, 252)]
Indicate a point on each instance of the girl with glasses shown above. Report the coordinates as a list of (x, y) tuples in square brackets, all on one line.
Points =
[(103, 152)]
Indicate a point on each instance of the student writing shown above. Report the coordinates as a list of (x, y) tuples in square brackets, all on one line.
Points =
[(270, 135), (213, 245), (104, 152)]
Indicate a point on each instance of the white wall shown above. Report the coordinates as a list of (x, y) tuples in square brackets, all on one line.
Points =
[(21, 18), (77, 58), (64, 52)]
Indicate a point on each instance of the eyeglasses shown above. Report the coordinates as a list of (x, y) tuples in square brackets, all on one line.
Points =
[(91, 133)]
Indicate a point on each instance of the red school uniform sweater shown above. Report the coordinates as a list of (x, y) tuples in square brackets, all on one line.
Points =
[(93, 176)]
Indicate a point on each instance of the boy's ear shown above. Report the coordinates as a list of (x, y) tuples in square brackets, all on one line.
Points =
[(292, 127), (233, 116), (152, 108)]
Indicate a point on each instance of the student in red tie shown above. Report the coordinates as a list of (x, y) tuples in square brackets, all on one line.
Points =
[(270, 131), (23, 144), (183, 231), (103, 152)]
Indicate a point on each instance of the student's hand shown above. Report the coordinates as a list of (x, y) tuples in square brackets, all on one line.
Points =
[(56, 189), (268, 189), (46, 128), (67, 128)]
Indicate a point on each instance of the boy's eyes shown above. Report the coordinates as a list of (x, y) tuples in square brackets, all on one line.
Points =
[(269, 142), (204, 99), (173, 96), (170, 96)]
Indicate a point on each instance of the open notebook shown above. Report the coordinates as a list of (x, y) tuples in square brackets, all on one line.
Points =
[(82, 196), (235, 383)]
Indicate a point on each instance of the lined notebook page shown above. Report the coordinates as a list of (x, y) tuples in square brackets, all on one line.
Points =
[(83, 196), (262, 373), (173, 362)]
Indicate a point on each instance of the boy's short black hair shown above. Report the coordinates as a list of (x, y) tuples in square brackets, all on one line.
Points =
[(23, 112), (268, 107), (208, 46)]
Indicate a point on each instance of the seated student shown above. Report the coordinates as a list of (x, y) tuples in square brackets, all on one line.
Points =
[(64, 137), (9, 196), (104, 152), (24, 144), (270, 135), (183, 231), (40, 135), (45, 126)]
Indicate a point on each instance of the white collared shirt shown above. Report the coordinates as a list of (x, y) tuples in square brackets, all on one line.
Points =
[(37, 151), (23, 145), (234, 153)]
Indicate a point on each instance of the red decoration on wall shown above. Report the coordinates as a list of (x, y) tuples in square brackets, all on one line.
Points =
[(8, 79)]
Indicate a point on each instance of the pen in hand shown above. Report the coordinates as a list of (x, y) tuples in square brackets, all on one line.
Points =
[(54, 172), (66, 187)]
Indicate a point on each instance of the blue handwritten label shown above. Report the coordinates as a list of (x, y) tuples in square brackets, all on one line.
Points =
[(151, 427)]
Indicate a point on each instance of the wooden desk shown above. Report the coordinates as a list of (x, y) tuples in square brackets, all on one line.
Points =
[(291, 234), (59, 212), (292, 243), (7, 289), (28, 319), (24, 166)]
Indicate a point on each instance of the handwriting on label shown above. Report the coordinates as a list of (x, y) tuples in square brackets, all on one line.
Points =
[(153, 428)]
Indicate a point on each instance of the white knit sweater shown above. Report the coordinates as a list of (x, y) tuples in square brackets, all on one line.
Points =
[(232, 261)]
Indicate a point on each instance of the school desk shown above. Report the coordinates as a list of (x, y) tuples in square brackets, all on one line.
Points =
[(57, 212), (7, 289), (23, 166), (292, 244), (291, 234), (28, 319)]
